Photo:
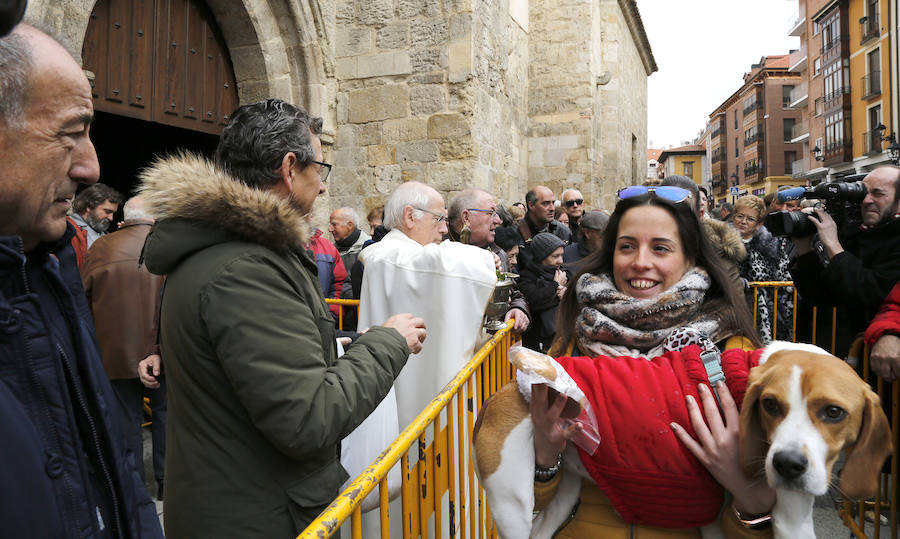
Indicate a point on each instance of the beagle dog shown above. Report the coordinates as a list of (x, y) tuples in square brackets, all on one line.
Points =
[(802, 409)]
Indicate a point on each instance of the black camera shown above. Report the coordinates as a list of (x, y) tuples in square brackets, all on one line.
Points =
[(842, 201)]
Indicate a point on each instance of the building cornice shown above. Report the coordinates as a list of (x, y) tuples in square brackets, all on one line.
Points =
[(638, 34)]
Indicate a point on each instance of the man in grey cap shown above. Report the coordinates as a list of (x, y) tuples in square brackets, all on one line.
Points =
[(588, 239)]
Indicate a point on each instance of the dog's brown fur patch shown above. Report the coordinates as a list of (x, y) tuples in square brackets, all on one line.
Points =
[(499, 416)]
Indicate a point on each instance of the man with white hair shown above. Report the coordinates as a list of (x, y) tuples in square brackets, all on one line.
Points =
[(448, 283), (124, 299), (573, 205), (348, 237)]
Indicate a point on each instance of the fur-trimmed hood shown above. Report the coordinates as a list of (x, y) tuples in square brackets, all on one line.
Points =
[(196, 205), (723, 236)]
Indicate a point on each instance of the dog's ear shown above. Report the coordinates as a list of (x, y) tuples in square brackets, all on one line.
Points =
[(859, 478), (752, 441)]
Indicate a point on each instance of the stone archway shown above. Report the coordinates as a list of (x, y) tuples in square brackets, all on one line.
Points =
[(279, 48)]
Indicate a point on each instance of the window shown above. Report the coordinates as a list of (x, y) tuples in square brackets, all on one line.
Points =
[(873, 136), (688, 169), (817, 66), (815, 28), (789, 158), (834, 131), (786, 92), (735, 120), (736, 147), (788, 125), (872, 84)]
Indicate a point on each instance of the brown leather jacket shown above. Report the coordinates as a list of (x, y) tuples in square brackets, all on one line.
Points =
[(124, 298)]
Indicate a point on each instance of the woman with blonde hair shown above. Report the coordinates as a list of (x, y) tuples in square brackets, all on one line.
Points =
[(766, 261)]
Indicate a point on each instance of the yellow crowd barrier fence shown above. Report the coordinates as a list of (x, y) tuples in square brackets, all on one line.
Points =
[(440, 496)]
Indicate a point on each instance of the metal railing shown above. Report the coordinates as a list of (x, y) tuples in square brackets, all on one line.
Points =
[(799, 168), (444, 468), (871, 84), (869, 28), (341, 304), (871, 141), (799, 92), (799, 129)]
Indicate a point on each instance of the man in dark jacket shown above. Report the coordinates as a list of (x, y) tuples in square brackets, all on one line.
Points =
[(539, 216), (258, 400), (124, 299), (65, 471), (860, 269), (475, 211)]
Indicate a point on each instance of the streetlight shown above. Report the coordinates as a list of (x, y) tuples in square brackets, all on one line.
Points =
[(894, 148), (817, 153)]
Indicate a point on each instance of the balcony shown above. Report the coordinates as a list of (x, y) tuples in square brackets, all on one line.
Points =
[(840, 151), (872, 142), (831, 48), (797, 25), (718, 155), (752, 173), (869, 28), (800, 95), (799, 168), (834, 99), (800, 132), (797, 59), (751, 107), (718, 130), (871, 85), (753, 139)]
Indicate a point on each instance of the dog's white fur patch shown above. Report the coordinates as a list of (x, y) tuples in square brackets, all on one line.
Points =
[(778, 346)]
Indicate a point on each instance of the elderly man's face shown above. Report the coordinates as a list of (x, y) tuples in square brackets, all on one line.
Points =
[(45, 159), (879, 204), (573, 202), (306, 180), (542, 210), (340, 225), (483, 220)]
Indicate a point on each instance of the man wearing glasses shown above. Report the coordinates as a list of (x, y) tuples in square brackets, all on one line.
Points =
[(448, 284), (573, 205), (473, 220), (258, 399)]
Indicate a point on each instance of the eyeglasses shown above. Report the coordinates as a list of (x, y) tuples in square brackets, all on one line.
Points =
[(324, 170), (574, 201), (438, 218), (491, 213), (745, 217), (668, 192)]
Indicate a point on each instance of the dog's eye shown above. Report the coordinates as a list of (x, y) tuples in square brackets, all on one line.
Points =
[(833, 413), (771, 406)]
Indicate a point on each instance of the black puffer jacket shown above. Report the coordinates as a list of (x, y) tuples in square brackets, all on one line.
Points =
[(56, 422), (537, 285)]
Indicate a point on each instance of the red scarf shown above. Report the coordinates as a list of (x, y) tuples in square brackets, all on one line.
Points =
[(644, 470)]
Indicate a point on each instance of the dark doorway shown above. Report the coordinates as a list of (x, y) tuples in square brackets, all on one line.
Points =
[(126, 145)]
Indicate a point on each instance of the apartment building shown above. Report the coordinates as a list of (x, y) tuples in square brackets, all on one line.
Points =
[(682, 161), (752, 138), (847, 98)]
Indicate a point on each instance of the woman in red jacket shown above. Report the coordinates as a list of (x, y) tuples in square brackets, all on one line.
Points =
[(655, 273)]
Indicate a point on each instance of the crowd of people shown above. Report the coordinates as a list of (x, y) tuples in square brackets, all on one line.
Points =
[(217, 278)]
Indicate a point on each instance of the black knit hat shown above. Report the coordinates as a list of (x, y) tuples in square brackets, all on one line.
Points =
[(543, 244)]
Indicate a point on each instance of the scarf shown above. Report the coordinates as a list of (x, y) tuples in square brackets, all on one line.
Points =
[(348, 242), (615, 324)]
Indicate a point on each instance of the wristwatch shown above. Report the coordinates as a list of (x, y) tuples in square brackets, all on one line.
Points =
[(542, 475), (753, 522)]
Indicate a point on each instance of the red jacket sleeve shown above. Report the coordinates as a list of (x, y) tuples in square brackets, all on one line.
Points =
[(888, 318)]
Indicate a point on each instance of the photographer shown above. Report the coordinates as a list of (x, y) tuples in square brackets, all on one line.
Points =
[(856, 272)]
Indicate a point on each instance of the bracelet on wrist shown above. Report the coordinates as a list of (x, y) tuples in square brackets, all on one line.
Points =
[(542, 475), (753, 522)]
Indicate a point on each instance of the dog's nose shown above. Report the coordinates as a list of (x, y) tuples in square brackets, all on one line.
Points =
[(789, 464)]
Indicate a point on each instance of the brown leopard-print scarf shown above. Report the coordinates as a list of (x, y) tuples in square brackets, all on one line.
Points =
[(614, 324)]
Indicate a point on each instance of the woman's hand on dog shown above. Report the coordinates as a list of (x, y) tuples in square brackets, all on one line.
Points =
[(550, 431), (716, 448)]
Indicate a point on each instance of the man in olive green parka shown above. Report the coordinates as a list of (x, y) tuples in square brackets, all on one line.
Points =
[(258, 400)]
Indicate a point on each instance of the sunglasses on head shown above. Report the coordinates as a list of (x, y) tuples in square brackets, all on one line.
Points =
[(668, 192), (570, 203)]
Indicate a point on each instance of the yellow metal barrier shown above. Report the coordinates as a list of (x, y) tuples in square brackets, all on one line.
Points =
[(443, 466), (341, 303)]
